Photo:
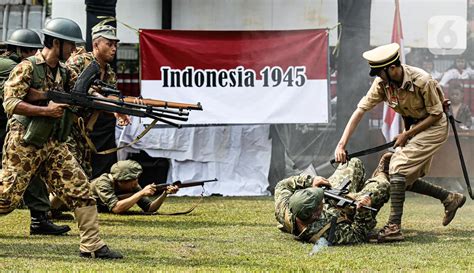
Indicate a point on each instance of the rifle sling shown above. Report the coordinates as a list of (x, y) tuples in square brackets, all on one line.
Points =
[(82, 128), (318, 235)]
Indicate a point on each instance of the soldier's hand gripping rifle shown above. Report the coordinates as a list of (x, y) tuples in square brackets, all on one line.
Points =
[(338, 195), (79, 97), (160, 188)]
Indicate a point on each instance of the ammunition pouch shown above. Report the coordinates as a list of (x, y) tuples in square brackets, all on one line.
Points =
[(38, 130)]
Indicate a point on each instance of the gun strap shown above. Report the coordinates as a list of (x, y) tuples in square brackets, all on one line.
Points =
[(185, 211), (84, 134), (320, 233)]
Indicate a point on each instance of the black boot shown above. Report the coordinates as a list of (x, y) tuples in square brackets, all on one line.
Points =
[(40, 225), (102, 253)]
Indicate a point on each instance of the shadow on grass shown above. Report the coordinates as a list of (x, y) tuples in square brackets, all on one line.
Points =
[(181, 224), (427, 237)]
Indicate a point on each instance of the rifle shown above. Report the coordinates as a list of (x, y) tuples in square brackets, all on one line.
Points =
[(162, 187), (111, 93), (337, 194), (79, 97), (179, 184)]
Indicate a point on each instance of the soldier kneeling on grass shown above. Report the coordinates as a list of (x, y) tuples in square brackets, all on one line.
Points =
[(118, 190), (300, 210)]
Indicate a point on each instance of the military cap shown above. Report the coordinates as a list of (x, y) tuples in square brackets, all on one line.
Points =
[(106, 31), (381, 57), (125, 170), (303, 202)]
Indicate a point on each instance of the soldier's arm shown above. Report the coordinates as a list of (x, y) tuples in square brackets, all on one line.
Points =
[(16, 90)]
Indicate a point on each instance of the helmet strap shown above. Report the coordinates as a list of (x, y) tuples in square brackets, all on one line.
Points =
[(61, 46)]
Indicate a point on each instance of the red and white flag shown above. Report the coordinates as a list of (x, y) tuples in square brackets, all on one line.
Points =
[(391, 119), (240, 77)]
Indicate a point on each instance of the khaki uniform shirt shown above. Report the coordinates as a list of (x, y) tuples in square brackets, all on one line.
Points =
[(418, 97), (104, 192)]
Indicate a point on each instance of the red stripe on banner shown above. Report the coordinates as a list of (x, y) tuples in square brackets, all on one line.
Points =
[(230, 49)]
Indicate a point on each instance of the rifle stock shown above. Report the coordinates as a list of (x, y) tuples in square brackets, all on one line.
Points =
[(159, 103)]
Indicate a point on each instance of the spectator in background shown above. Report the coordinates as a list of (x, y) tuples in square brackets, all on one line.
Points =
[(461, 110), (460, 70), (428, 66)]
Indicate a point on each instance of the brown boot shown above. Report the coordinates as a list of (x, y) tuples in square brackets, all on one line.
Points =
[(390, 233), (451, 204), (384, 163)]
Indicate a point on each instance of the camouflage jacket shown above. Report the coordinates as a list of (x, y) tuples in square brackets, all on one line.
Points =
[(79, 61), (354, 228), (106, 195), (19, 81)]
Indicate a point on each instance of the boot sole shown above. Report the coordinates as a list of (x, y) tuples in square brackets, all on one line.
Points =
[(391, 239), (456, 210)]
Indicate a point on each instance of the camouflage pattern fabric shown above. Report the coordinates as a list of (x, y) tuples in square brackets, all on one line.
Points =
[(20, 161), (356, 227), (62, 172), (76, 143), (7, 62)]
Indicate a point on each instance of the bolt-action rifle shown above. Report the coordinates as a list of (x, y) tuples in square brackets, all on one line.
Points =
[(79, 97), (338, 195), (160, 188)]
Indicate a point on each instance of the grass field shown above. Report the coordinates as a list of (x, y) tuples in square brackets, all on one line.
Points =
[(240, 234)]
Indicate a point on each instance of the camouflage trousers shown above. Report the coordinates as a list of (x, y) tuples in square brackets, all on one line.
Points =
[(62, 172), (378, 187)]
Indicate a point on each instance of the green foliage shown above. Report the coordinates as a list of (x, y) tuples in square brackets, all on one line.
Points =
[(240, 234)]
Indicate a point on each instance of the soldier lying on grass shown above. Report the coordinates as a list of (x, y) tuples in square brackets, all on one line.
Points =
[(300, 210)]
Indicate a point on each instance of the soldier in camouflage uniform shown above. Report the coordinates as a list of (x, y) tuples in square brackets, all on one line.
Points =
[(104, 43), (35, 139), (23, 43), (300, 211)]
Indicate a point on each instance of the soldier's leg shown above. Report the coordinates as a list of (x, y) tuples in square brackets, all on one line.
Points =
[(353, 170), (68, 180), (36, 198), (378, 188), (452, 201), (20, 162)]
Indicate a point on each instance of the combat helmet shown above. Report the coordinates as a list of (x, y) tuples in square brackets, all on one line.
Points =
[(63, 28), (25, 38)]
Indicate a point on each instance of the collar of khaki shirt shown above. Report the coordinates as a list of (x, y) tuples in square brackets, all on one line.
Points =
[(407, 83)]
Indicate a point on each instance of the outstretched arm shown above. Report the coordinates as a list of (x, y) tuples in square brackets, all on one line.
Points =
[(340, 153)]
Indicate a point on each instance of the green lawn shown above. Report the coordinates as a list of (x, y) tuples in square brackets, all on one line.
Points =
[(240, 234)]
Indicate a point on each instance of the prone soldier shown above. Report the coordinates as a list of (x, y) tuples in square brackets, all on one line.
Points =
[(300, 210), (123, 181)]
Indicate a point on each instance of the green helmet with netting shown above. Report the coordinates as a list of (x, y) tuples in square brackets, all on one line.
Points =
[(64, 29), (25, 38)]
